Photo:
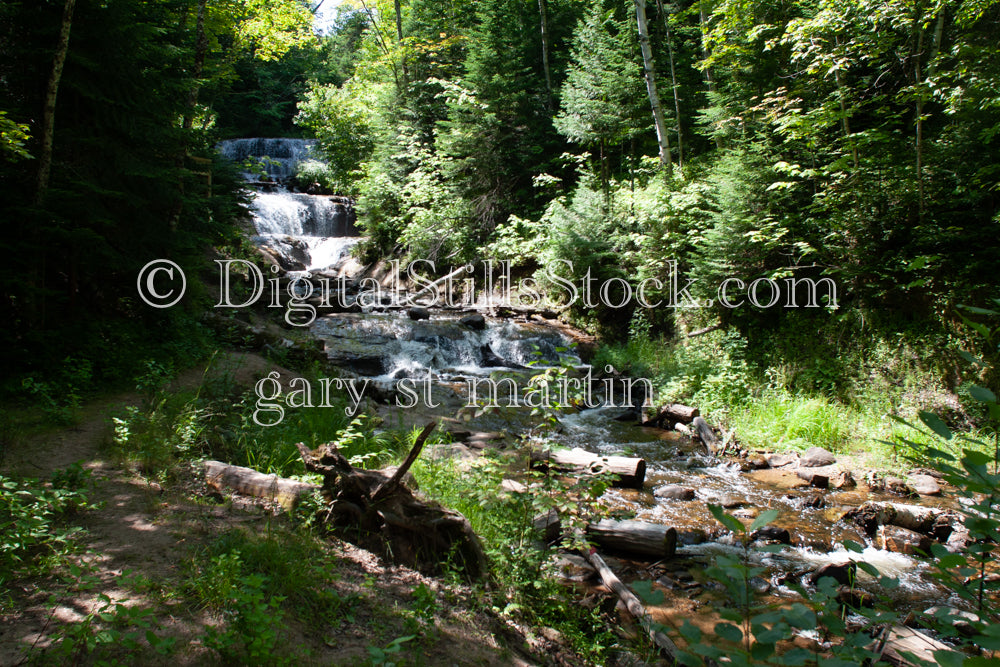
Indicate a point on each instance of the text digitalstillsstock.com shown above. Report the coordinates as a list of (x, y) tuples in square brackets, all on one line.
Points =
[(499, 289), (162, 284)]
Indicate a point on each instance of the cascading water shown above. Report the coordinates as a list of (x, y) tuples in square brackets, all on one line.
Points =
[(302, 231)]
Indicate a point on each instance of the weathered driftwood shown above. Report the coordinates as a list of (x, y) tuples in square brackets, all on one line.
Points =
[(626, 471), (705, 434), (634, 537), (924, 520), (249, 482), (899, 640), (633, 604), (375, 510)]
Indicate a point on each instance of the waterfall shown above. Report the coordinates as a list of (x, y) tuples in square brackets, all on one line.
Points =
[(302, 231), (278, 157)]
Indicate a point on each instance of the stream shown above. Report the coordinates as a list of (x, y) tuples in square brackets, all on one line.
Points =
[(315, 233)]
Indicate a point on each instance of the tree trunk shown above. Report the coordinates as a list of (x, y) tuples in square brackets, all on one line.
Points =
[(399, 38), (674, 412), (705, 434), (249, 482), (628, 472), (51, 93), (550, 99), (649, 69), (673, 83), (709, 81), (634, 537), (200, 51)]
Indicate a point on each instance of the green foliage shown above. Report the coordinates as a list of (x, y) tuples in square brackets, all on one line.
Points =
[(13, 137), (341, 118), (503, 520), (33, 522)]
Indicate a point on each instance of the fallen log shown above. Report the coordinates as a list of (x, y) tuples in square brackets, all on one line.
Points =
[(249, 482), (626, 471), (899, 643), (924, 520), (676, 412), (374, 509), (705, 434), (634, 537), (633, 605)]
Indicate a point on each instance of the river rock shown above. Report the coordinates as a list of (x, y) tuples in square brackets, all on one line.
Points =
[(782, 479), (773, 534), (418, 313), (925, 485), (842, 573), (899, 487), (814, 479), (843, 480), (758, 462), (781, 460), (816, 457), (903, 541), (674, 492), (474, 321)]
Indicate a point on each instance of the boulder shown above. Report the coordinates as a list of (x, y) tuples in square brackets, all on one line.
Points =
[(773, 534), (782, 479), (925, 485), (843, 480), (674, 492), (781, 460), (814, 479), (903, 541), (816, 457), (418, 313), (842, 573), (474, 321)]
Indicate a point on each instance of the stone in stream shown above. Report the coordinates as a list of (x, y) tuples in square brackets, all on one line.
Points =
[(814, 479), (843, 480), (674, 492), (843, 573), (418, 313), (903, 541), (474, 321), (816, 457), (899, 487), (782, 479), (781, 460), (773, 534), (925, 485)]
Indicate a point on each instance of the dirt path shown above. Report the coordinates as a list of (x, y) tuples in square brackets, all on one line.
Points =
[(140, 545)]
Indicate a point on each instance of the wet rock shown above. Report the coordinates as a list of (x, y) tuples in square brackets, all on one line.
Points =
[(746, 513), (835, 514), (899, 487), (816, 457), (674, 492), (688, 536), (782, 479), (758, 462), (474, 321), (843, 480), (781, 460), (903, 541), (773, 534), (759, 585), (854, 598), (842, 573), (925, 485), (814, 479), (418, 313), (816, 502), (491, 358)]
